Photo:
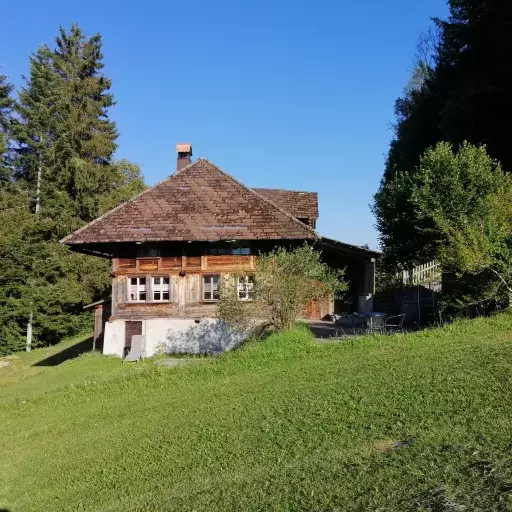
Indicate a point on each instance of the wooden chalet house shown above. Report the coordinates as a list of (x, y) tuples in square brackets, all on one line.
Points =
[(171, 245)]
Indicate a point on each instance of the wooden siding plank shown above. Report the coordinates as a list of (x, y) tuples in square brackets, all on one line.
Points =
[(193, 288)]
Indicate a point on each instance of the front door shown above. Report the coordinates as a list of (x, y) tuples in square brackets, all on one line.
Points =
[(131, 329)]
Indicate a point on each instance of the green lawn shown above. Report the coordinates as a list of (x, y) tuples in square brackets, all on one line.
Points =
[(408, 422)]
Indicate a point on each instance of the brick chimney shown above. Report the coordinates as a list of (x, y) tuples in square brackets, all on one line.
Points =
[(184, 150)]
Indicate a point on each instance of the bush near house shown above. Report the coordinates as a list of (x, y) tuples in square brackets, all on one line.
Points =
[(284, 282), (416, 422)]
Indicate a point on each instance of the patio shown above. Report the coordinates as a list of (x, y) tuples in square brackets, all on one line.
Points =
[(350, 326)]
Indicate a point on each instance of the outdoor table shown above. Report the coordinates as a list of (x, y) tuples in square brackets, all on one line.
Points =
[(368, 318)]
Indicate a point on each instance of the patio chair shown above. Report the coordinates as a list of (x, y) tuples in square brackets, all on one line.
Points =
[(138, 348), (344, 322), (394, 323), (377, 324), (361, 324)]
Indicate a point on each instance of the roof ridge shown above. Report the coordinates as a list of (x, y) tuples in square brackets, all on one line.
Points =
[(285, 190), (106, 214), (268, 201)]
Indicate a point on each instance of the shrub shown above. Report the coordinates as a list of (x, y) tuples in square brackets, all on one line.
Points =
[(281, 287)]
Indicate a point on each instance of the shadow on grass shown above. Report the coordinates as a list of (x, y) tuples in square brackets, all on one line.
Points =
[(65, 355)]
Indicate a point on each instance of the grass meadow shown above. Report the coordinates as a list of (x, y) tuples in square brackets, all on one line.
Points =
[(415, 422)]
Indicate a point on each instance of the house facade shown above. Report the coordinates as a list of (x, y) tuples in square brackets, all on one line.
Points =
[(171, 246)]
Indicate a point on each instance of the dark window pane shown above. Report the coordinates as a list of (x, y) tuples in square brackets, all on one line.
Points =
[(142, 280), (157, 296), (143, 296), (166, 296)]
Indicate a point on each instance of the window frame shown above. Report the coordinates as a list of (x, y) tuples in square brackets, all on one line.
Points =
[(211, 276), (159, 289), (138, 300), (246, 290)]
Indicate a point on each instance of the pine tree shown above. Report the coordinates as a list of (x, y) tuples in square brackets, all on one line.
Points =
[(64, 175), (6, 106)]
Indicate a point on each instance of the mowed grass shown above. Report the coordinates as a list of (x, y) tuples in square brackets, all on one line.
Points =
[(407, 422)]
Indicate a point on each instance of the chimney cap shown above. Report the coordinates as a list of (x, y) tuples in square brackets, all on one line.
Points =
[(184, 147)]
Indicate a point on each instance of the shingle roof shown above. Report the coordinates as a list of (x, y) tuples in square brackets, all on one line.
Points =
[(299, 204), (200, 202)]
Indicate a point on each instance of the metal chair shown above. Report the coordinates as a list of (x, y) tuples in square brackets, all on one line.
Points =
[(376, 324), (394, 323), (342, 322)]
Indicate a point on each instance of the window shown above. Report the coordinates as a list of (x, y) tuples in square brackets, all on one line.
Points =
[(241, 250), (160, 289), (148, 251), (137, 289), (246, 288), (221, 249), (211, 287)]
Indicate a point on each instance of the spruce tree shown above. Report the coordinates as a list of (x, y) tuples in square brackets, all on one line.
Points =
[(6, 106), (65, 176)]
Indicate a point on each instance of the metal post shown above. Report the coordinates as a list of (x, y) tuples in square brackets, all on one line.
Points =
[(419, 306)]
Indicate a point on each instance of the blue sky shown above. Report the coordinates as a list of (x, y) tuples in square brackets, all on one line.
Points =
[(283, 93)]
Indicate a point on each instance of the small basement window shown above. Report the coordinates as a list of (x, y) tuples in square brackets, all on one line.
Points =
[(211, 287), (245, 288), (161, 290), (137, 289)]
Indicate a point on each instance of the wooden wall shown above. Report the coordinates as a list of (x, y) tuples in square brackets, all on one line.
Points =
[(185, 284), (185, 273)]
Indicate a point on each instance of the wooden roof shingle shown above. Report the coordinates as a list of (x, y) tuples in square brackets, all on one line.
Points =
[(198, 203), (303, 205)]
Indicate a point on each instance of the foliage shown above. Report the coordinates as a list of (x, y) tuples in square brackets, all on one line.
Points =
[(284, 282), (6, 112), (466, 200), (283, 424), (64, 144), (462, 93)]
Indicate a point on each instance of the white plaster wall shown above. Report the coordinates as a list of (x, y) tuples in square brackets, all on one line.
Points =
[(175, 336), (113, 338), (188, 337)]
